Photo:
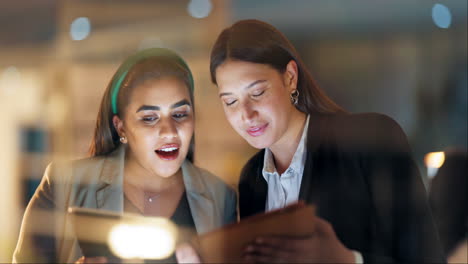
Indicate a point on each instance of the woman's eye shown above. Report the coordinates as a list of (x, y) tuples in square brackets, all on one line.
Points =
[(230, 102), (149, 119), (257, 94), (179, 115)]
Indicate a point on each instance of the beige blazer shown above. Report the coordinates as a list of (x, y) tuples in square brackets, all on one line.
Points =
[(46, 233)]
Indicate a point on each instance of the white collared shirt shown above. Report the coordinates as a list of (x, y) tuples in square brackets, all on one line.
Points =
[(284, 189)]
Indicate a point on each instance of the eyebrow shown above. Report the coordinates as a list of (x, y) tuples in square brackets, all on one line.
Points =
[(181, 103), (247, 87), (157, 108)]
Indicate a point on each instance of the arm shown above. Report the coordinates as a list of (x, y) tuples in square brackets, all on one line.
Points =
[(405, 228), (448, 199), (36, 243)]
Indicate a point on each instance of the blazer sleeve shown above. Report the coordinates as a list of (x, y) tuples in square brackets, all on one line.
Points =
[(36, 243), (404, 224)]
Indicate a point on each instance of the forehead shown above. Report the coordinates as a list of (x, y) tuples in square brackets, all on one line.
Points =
[(161, 91), (241, 73)]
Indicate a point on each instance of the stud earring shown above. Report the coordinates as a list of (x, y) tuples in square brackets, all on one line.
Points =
[(123, 140), (294, 96)]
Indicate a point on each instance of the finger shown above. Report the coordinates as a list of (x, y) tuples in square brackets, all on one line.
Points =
[(323, 227), (272, 241), (285, 243), (80, 260), (260, 250), (95, 260), (266, 252), (185, 253), (250, 258)]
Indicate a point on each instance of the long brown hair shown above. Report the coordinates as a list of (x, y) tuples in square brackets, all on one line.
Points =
[(258, 42), (148, 64)]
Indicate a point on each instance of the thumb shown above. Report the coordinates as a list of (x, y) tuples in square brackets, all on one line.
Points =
[(185, 253), (323, 227)]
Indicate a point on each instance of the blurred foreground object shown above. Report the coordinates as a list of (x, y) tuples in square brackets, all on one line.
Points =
[(226, 245), (128, 236), (433, 161)]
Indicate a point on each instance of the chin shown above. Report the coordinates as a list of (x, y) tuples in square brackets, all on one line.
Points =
[(168, 170), (258, 144)]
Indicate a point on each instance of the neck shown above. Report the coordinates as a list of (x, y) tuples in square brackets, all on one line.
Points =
[(143, 180), (283, 150)]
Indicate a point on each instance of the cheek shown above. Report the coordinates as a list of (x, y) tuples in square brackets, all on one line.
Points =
[(186, 130), (276, 106), (233, 117)]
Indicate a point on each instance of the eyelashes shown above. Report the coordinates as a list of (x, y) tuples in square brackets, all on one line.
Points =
[(255, 95), (258, 94), (178, 116), (149, 119), (230, 102)]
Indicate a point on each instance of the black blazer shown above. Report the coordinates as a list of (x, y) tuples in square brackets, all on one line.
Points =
[(448, 198), (360, 175)]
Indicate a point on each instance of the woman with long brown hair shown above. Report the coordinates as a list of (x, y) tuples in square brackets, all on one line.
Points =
[(141, 162), (356, 169)]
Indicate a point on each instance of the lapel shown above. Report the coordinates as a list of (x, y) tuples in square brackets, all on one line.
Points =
[(200, 201), (109, 195), (105, 188), (260, 186), (315, 135)]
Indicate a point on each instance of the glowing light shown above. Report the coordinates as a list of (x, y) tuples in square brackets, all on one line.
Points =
[(441, 16), (80, 28), (155, 240), (199, 8), (56, 109), (433, 161), (10, 80)]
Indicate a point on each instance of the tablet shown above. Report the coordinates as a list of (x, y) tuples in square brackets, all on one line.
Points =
[(92, 228), (227, 244), (123, 235)]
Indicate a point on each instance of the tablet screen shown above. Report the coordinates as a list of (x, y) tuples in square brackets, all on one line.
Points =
[(128, 236)]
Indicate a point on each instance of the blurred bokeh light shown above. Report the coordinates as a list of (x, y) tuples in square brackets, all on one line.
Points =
[(406, 59)]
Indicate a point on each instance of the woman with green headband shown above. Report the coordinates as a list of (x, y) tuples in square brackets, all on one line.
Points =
[(141, 162)]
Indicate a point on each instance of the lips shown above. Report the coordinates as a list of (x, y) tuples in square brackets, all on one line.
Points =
[(256, 131), (168, 152)]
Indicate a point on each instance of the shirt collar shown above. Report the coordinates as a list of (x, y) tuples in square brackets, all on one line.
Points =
[(297, 161)]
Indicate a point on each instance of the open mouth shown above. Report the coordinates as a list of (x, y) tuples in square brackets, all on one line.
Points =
[(168, 152), (256, 131)]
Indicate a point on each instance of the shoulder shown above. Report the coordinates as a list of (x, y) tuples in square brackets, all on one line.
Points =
[(373, 131), (363, 121), (211, 178), (200, 178), (60, 177), (73, 171), (77, 165)]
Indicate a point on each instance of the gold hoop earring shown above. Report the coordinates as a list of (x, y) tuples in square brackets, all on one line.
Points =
[(294, 96)]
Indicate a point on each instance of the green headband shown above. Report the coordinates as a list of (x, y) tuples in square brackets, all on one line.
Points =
[(134, 59)]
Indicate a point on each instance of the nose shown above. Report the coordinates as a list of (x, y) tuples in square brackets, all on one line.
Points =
[(167, 128), (248, 111)]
